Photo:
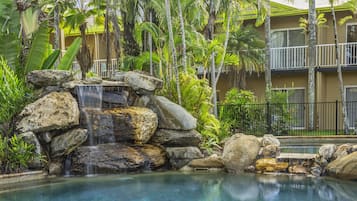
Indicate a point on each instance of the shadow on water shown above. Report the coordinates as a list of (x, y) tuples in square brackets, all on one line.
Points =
[(189, 187)]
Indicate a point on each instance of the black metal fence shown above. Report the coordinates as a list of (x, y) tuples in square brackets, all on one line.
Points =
[(289, 118)]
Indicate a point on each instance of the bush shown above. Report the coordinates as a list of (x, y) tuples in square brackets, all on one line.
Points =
[(196, 95), (15, 154), (12, 92), (241, 113)]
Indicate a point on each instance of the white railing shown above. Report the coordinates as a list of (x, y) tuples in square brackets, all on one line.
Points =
[(100, 67), (288, 57), (297, 57)]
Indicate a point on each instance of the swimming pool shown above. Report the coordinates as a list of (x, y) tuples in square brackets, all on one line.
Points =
[(174, 186)]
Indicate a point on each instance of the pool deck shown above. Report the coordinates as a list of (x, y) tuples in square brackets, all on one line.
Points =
[(317, 140)]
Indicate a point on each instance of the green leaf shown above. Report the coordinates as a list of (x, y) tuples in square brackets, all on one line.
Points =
[(38, 49), (51, 59), (68, 58)]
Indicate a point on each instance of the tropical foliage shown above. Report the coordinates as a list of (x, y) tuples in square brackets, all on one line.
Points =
[(13, 92), (15, 154)]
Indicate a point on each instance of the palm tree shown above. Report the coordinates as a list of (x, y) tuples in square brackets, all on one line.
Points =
[(173, 49), (182, 26), (339, 69), (129, 11), (312, 61), (268, 84), (246, 43), (75, 17)]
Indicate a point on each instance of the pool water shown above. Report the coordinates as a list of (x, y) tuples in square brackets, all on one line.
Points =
[(185, 187)]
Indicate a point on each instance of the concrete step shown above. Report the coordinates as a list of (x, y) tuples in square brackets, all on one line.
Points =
[(295, 156), (316, 140)]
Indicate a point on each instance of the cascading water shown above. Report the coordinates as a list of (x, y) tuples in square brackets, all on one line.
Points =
[(90, 98)]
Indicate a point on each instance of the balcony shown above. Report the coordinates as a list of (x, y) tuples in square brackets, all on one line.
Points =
[(289, 58)]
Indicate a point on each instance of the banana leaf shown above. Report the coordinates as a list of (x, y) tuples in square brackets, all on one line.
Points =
[(68, 58), (51, 59), (38, 49)]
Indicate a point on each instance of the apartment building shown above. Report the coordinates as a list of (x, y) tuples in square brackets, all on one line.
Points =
[(289, 66)]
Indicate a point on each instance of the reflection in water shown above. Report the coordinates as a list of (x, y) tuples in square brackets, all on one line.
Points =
[(188, 187)]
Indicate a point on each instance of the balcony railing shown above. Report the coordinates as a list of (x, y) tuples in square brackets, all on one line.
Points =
[(284, 58), (297, 57)]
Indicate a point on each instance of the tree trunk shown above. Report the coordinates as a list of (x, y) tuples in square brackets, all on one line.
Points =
[(242, 83), (107, 34), (150, 46), (312, 61), (268, 84), (131, 47), (183, 37), (339, 72), (57, 33), (84, 56), (225, 46), (117, 44), (214, 88), (173, 49)]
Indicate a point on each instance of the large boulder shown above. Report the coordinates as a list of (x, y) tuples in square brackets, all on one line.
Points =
[(30, 138), (43, 78), (213, 161), (240, 151), (115, 158), (180, 156), (57, 110), (344, 167), (171, 115), (130, 124), (64, 144), (141, 83), (175, 138), (342, 150)]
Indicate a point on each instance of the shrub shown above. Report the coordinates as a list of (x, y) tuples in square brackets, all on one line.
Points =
[(15, 154), (12, 92), (241, 113)]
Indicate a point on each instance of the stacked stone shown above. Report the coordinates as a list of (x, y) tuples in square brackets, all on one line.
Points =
[(135, 130)]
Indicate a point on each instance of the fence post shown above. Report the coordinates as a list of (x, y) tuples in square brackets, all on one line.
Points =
[(268, 117), (336, 118)]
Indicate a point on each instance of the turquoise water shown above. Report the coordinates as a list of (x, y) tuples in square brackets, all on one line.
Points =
[(186, 187)]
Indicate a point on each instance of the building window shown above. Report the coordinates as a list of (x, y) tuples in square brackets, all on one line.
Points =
[(295, 106), (351, 46), (351, 104), (288, 49)]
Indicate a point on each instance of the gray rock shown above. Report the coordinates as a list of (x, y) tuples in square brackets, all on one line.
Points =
[(171, 116), (43, 78), (64, 144), (269, 151), (316, 171), (344, 167), (342, 150), (327, 151), (269, 139), (55, 168), (180, 156), (141, 83), (75, 83), (213, 161), (30, 138), (239, 152), (57, 110), (116, 158), (111, 99), (130, 124), (175, 138), (46, 137)]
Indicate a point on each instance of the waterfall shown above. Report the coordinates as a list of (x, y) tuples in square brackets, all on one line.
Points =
[(90, 98)]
